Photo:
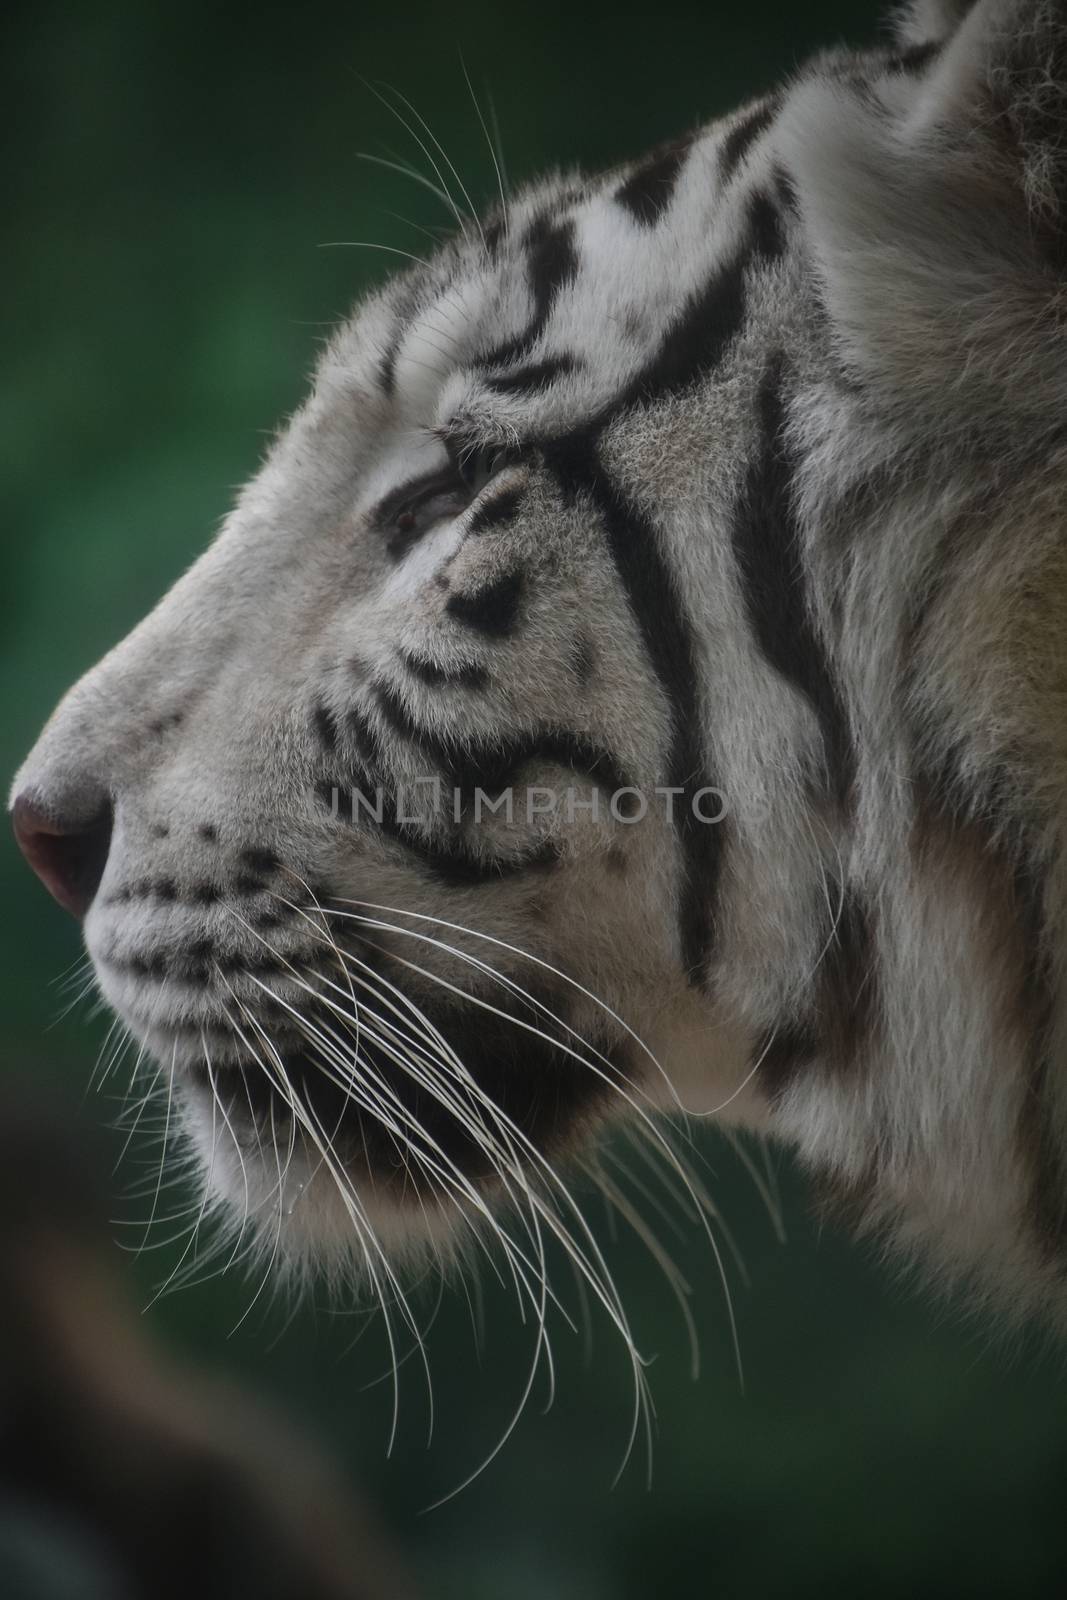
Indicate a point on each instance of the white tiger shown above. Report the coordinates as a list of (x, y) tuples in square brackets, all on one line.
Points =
[(636, 677)]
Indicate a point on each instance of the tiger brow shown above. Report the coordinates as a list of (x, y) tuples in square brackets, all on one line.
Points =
[(462, 436)]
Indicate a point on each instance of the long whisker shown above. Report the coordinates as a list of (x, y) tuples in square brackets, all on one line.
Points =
[(369, 244), (446, 158), (497, 168), (537, 961), (654, 1132), (678, 1284), (461, 220), (497, 142), (407, 172), (596, 1274), (370, 1247), (385, 1112), (540, 1317), (610, 1078), (165, 1141)]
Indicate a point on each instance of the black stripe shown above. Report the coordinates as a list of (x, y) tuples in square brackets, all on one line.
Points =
[(404, 308), (494, 234), (577, 753), (697, 339), (364, 766), (454, 863), (583, 658), (553, 260), (551, 264), (782, 1053), (497, 512), (842, 1015), (786, 190), (493, 765), (648, 191), (247, 883), (387, 367), (847, 1004), (765, 227), (325, 725), (668, 641), (461, 675), (260, 858), (536, 375), (770, 564), (441, 751), (449, 860), (741, 137), (493, 609), (699, 336)]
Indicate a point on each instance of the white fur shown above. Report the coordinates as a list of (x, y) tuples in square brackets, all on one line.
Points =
[(921, 316)]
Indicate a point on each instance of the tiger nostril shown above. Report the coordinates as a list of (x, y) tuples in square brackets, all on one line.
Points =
[(69, 857)]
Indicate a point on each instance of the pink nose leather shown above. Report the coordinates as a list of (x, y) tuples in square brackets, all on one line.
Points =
[(68, 858)]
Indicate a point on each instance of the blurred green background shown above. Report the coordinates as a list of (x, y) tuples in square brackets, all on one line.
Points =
[(170, 173)]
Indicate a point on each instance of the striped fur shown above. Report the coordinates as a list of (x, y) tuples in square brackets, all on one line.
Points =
[(739, 470)]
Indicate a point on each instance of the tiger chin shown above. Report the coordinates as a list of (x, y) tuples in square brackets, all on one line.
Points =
[(636, 678)]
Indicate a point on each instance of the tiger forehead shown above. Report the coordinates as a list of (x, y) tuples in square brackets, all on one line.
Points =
[(493, 306), (601, 263), (552, 308)]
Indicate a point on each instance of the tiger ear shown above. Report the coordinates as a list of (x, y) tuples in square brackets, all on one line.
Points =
[(933, 201)]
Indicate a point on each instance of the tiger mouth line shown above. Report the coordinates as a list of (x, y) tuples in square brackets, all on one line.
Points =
[(385, 1106)]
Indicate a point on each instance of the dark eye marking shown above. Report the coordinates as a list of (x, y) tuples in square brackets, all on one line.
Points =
[(418, 505), (415, 507)]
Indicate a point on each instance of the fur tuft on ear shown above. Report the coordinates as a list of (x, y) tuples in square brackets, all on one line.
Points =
[(935, 218), (920, 22)]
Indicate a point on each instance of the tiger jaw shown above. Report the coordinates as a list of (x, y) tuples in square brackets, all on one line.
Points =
[(352, 1039)]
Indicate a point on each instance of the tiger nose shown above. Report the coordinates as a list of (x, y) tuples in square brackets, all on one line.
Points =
[(68, 856)]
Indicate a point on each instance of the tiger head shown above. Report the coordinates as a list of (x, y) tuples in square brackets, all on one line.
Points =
[(635, 678)]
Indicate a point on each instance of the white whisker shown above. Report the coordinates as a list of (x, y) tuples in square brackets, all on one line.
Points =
[(461, 220), (472, 209)]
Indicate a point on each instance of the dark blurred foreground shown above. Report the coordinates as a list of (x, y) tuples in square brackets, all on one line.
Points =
[(123, 1477)]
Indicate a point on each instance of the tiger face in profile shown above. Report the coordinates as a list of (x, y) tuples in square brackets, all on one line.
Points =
[(636, 677)]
